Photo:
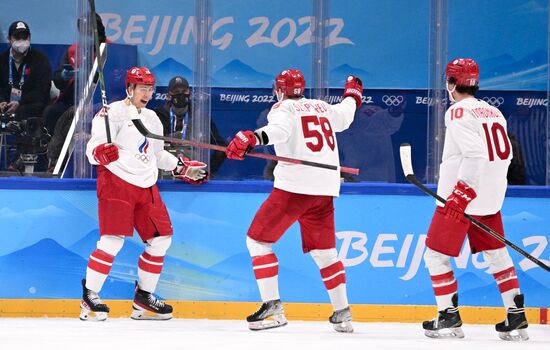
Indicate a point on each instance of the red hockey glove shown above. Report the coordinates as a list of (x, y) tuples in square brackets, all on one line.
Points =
[(190, 171), (459, 199), (354, 88), (241, 144), (105, 153)]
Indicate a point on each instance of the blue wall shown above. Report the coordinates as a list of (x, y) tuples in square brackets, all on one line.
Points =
[(384, 41), (50, 227)]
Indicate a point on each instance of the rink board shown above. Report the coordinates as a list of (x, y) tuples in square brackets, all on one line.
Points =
[(50, 227)]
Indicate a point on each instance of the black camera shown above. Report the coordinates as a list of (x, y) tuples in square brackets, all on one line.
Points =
[(8, 124), (31, 135)]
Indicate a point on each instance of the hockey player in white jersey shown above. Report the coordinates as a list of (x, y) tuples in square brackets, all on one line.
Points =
[(129, 198), (476, 156), (305, 129)]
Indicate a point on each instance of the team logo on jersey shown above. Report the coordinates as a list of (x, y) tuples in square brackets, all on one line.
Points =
[(392, 100), (142, 155), (494, 101)]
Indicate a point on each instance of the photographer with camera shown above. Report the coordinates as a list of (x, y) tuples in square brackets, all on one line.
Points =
[(25, 81), (177, 120)]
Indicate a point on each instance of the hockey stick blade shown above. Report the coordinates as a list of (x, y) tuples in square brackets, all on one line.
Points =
[(406, 163), (145, 132)]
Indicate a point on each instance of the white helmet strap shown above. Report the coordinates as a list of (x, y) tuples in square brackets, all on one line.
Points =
[(450, 92)]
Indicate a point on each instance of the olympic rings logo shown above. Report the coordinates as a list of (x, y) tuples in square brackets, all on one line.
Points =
[(391, 100), (144, 158), (494, 101)]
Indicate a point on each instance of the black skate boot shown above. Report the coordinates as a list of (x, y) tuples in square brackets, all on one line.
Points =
[(341, 320), (515, 321), (91, 306), (447, 323), (147, 307), (270, 315)]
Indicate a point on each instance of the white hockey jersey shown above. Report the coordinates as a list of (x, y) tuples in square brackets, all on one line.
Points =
[(477, 151), (140, 157), (305, 129)]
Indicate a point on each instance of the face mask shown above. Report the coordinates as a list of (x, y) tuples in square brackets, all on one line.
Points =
[(180, 100), (21, 46)]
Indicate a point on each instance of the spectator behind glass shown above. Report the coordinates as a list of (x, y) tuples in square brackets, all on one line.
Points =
[(25, 75), (64, 77), (25, 81), (368, 145), (176, 119)]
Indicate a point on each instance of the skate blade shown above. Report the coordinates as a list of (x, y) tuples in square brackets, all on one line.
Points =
[(344, 327), (89, 315), (515, 335), (268, 323), (449, 333), (149, 315)]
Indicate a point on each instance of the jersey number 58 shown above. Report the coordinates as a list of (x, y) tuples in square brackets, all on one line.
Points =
[(310, 127)]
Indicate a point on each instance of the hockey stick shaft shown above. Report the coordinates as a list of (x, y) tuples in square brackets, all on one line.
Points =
[(100, 72), (88, 91), (143, 130), (405, 152)]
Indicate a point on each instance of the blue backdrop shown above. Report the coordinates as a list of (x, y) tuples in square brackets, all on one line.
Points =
[(384, 41)]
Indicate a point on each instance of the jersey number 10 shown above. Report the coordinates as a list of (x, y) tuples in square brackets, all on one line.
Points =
[(496, 138), (313, 132)]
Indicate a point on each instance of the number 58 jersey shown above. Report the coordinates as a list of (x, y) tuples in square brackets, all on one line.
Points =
[(477, 150), (305, 129)]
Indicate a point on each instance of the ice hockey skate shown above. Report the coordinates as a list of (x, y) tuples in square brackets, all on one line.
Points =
[(341, 320), (91, 306), (270, 315), (447, 323), (147, 307), (513, 327)]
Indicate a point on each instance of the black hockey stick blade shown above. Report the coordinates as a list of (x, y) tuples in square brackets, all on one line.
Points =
[(406, 164), (145, 132)]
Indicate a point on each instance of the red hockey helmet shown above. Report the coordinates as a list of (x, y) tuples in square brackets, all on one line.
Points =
[(291, 82), (465, 71), (139, 75)]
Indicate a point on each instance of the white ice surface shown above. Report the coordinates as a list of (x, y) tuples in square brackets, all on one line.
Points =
[(121, 334)]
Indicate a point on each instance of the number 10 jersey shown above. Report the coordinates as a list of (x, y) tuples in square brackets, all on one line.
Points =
[(477, 150)]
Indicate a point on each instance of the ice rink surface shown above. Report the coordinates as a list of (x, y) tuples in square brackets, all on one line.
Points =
[(121, 334)]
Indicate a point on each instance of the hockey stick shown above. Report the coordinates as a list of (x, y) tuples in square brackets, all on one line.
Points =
[(87, 94), (143, 130), (100, 72), (406, 164)]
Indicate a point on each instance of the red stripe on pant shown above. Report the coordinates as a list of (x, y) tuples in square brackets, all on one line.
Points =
[(153, 263), (506, 279), (333, 275), (450, 284), (101, 262), (267, 271)]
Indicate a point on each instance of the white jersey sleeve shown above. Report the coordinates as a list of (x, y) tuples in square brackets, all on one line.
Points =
[(341, 114), (139, 157), (477, 150), (305, 129)]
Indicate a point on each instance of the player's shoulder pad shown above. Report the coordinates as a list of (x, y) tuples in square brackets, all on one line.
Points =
[(101, 112), (459, 112), (276, 105), (115, 110)]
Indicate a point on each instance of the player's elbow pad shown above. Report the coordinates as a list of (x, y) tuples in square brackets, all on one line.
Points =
[(262, 137)]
